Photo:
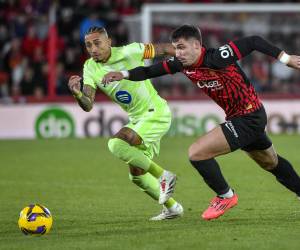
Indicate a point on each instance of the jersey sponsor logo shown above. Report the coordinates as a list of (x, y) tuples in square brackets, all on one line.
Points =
[(123, 97), (214, 84), (226, 51), (231, 128)]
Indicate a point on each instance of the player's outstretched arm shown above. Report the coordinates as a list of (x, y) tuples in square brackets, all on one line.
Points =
[(85, 98), (248, 44), (141, 73), (240, 48), (292, 61), (137, 74)]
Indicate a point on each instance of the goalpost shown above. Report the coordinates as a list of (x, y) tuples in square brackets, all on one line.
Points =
[(148, 11)]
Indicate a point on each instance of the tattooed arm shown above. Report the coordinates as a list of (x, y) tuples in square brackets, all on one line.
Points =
[(85, 98)]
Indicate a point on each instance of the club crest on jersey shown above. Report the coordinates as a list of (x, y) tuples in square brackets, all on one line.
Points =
[(123, 97)]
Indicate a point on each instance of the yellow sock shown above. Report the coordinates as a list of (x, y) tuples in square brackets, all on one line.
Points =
[(170, 203), (155, 170)]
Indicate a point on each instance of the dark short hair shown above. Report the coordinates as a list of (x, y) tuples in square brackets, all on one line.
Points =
[(97, 29), (186, 31)]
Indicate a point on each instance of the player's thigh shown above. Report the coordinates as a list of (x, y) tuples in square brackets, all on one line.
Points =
[(129, 135), (266, 158), (211, 144), (247, 131)]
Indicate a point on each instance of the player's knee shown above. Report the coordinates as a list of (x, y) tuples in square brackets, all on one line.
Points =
[(115, 146), (269, 163), (135, 171), (197, 153), (129, 136)]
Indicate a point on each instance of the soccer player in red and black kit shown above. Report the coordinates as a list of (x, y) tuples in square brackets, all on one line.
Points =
[(217, 73)]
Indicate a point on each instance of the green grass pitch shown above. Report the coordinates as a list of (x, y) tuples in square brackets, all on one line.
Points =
[(95, 206)]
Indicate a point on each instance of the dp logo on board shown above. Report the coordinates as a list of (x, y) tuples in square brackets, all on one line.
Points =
[(54, 123)]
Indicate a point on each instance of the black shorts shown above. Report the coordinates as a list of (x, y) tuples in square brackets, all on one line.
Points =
[(247, 132)]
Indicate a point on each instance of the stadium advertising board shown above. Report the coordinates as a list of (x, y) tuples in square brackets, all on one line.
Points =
[(68, 120)]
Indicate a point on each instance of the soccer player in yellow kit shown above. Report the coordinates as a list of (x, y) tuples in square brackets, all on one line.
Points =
[(149, 114)]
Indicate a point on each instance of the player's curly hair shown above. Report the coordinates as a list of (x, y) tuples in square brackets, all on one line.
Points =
[(186, 31), (97, 29)]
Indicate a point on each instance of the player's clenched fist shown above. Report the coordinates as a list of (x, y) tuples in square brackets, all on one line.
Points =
[(294, 61), (111, 77), (74, 84)]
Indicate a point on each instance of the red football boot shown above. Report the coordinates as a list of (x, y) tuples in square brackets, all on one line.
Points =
[(218, 206)]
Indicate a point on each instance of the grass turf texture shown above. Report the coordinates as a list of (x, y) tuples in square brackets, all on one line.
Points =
[(94, 205)]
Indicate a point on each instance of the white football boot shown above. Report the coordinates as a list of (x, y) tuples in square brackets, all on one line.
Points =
[(167, 184), (169, 213)]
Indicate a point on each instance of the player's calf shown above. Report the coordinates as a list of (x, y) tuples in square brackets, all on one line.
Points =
[(212, 175), (147, 183), (286, 175)]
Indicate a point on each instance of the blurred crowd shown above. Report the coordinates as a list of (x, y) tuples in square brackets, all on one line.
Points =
[(24, 40), (265, 73)]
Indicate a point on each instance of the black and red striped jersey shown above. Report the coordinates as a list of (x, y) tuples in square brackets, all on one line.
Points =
[(217, 74), (227, 86)]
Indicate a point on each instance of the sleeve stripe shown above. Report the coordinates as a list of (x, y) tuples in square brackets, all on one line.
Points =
[(236, 50), (166, 67), (152, 50), (149, 51), (146, 51)]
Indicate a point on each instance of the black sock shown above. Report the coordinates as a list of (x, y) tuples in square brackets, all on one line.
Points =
[(286, 175), (211, 173)]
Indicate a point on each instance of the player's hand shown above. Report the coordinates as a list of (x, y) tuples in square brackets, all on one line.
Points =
[(74, 84), (294, 62), (111, 77)]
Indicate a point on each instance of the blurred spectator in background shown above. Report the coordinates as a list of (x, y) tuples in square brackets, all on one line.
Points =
[(259, 72), (4, 95), (31, 42), (24, 28), (91, 20), (282, 78), (61, 86)]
